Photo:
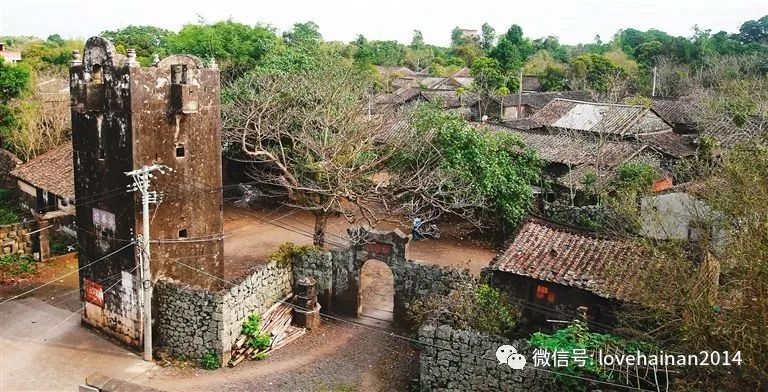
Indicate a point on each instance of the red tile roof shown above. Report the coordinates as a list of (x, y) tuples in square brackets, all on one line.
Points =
[(568, 256), (52, 171)]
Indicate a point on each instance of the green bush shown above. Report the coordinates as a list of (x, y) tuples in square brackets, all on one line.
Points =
[(250, 328), (289, 251), (210, 361), (17, 264)]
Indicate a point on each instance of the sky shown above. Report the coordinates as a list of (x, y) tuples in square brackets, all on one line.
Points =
[(573, 21)]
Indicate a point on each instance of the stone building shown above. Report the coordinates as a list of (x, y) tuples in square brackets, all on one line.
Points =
[(125, 117)]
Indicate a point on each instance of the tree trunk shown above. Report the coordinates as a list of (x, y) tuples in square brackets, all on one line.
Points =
[(321, 221)]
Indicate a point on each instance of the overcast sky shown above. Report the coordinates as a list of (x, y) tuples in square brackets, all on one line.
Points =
[(573, 21)]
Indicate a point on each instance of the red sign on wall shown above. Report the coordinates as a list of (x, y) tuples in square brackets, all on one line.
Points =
[(378, 248), (94, 293)]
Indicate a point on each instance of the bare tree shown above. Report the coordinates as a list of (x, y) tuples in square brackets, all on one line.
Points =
[(309, 140), (42, 118)]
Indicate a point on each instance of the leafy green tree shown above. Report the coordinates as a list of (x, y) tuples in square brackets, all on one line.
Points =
[(754, 31), (307, 33), (488, 75), (417, 42), (513, 49), (233, 44), (552, 45), (49, 55), (488, 37), (451, 167), (554, 78), (592, 71), (14, 80), (147, 40), (457, 37)]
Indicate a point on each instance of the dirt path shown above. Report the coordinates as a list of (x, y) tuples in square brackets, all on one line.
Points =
[(252, 235), (337, 356)]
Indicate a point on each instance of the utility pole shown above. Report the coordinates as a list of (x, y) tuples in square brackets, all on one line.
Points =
[(653, 92), (141, 182), (520, 95)]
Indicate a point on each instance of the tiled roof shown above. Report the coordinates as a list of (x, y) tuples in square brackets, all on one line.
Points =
[(539, 100), (531, 83), (451, 99), (52, 171), (603, 118), (523, 124), (675, 110), (464, 82), (670, 143), (569, 150), (402, 71), (552, 253), (435, 83), (729, 134), (399, 97), (463, 73)]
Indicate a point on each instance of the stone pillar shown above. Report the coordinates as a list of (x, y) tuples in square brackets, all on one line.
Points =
[(306, 311), (45, 247)]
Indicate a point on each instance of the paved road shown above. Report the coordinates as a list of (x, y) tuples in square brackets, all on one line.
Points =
[(41, 349)]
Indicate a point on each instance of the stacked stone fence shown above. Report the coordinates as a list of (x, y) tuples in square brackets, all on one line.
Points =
[(15, 238), (193, 322), (461, 360)]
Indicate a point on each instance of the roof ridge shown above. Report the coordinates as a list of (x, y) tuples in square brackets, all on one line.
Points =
[(566, 227), (601, 103)]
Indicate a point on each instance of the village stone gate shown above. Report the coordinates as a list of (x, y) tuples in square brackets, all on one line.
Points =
[(338, 272)]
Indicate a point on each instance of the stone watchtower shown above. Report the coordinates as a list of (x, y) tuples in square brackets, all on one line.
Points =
[(125, 116)]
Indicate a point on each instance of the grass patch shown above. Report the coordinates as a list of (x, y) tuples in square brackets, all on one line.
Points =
[(17, 265), (210, 361)]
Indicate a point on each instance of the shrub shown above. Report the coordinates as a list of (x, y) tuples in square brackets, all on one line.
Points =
[(289, 251), (17, 264), (481, 308), (210, 361), (256, 339)]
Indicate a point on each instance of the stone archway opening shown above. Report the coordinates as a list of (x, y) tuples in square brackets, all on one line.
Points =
[(377, 292)]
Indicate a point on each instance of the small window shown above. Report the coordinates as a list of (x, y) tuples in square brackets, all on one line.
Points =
[(541, 292), (181, 151), (183, 233), (551, 297), (102, 154)]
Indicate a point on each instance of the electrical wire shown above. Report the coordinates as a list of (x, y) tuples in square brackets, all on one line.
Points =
[(389, 333), (65, 275)]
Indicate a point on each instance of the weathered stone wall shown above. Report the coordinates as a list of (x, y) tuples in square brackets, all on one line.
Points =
[(318, 265), (193, 321), (15, 238), (189, 320), (459, 360), (415, 279), (255, 294)]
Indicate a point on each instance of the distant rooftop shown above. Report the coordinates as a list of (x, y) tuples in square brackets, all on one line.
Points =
[(601, 118)]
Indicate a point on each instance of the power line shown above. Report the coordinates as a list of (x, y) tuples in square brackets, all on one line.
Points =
[(65, 275), (79, 310), (419, 341)]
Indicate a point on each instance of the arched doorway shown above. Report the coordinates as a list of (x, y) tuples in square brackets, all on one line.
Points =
[(377, 292)]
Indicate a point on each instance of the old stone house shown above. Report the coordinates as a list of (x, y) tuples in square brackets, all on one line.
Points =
[(47, 188), (550, 270)]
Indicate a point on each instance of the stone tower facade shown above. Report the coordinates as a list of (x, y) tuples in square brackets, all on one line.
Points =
[(124, 117)]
